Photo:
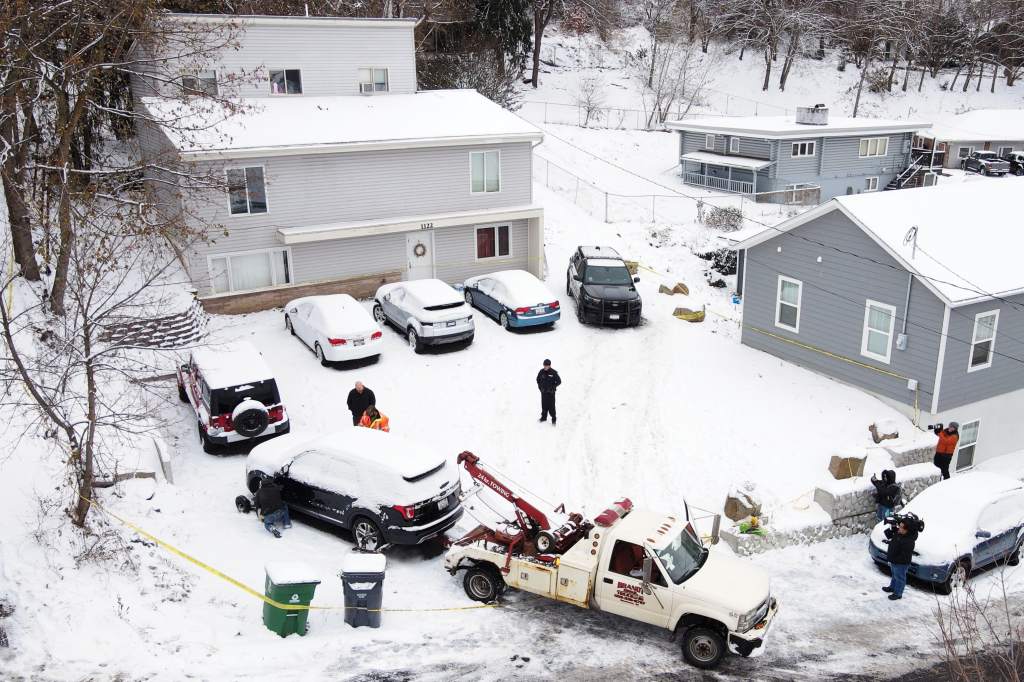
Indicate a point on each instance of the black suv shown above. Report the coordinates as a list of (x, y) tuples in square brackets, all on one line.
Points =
[(1016, 160), (233, 396), (600, 283)]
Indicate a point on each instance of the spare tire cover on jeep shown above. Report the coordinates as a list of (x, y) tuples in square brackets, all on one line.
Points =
[(250, 418)]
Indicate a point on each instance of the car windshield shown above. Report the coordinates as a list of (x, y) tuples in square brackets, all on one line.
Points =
[(684, 556), (442, 306), (605, 274), (986, 155)]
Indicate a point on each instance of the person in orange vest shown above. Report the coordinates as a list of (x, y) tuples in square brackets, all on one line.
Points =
[(373, 419), (946, 447)]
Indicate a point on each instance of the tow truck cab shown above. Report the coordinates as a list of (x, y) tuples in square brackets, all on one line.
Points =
[(652, 568)]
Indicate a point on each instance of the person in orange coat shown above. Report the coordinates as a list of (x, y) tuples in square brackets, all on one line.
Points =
[(373, 419), (946, 447)]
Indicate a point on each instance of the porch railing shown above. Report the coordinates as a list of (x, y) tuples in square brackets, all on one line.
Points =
[(714, 182)]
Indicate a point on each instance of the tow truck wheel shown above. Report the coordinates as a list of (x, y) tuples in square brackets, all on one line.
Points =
[(482, 584), (545, 542), (703, 647)]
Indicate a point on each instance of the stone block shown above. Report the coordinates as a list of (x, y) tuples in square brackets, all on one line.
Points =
[(846, 467)]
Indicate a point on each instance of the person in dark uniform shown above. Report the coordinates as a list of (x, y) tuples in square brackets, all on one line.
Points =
[(272, 507), (360, 398), (548, 382)]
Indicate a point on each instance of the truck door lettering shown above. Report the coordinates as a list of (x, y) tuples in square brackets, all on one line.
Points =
[(631, 594)]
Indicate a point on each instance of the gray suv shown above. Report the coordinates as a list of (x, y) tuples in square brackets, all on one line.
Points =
[(603, 288)]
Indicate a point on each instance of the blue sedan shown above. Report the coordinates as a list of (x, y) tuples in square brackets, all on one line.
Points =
[(973, 520), (514, 298)]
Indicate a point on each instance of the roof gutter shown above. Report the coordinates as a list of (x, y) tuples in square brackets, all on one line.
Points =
[(812, 131), (345, 147)]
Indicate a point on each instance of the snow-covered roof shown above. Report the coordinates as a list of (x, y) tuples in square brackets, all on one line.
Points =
[(722, 160), (231, 365), (307, 125), (786, 127), (432, 291), (342, 313), (965, 250), (522, 287), (605, 263), (981, 125)]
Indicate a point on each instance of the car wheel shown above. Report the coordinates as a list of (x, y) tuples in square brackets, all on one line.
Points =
[(1019, 171), (1014, 558), (545, 542), (320, 354), (957, 578), (414, 341), (182, 396), (288, 325), (703, 647), (468, 295), (568, 289), (503, 320), (482, 584), (579, 314), (378, 314), (208, 447), (243, 504), (367, 534), (985, 172)]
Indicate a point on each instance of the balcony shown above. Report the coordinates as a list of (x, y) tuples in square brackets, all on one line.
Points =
[(714, 182)]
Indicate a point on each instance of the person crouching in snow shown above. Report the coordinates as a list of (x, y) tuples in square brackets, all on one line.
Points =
[(271, 507), (887, 494), (373, 419)]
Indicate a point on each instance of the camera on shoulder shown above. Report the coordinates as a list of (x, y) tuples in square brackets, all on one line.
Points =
[(912, 520), (939, 426)]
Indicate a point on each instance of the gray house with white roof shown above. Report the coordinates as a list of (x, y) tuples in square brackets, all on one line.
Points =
[(890, 293), (805, 158), (338, 175), (996, 130)]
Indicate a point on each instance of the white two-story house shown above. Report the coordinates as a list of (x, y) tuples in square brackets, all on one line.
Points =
[(337, 174)]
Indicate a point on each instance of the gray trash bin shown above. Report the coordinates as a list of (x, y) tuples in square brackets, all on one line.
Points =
[(362, 577)]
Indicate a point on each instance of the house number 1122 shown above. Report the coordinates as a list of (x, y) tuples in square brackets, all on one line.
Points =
[(426, 226)]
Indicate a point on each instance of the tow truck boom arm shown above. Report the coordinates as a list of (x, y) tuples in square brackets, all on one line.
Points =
[(472, 464)]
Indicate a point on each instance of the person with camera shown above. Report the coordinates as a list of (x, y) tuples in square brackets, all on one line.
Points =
[(946, 447), (887, 494), (902, 534)]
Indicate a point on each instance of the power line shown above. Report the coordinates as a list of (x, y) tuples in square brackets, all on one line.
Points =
[(786, 233)]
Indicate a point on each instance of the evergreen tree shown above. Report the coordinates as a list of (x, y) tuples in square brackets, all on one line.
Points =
[(507, 27)]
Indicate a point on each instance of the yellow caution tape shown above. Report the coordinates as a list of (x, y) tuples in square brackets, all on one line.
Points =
[(262, 597)]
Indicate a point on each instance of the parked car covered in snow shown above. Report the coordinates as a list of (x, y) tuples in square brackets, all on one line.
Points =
[(233, 394), (514, 298), (1016, 160), (386, 489), (427, 311), (335, 327), (603, 288), (986, 163), (972, 520)]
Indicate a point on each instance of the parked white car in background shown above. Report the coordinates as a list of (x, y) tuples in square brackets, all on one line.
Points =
[(335, 327), (427, 311), (514, 298)]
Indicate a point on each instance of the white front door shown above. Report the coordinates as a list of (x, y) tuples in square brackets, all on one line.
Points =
[(419, 254)]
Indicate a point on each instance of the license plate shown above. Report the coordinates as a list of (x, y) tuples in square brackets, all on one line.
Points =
[(451, 324), (614, 316), (358, 342), (540, 309), (442, 504)]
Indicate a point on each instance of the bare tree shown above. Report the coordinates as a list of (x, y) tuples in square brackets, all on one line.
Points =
[(680, 75), (589, 98), (658, 17), (543, 10)]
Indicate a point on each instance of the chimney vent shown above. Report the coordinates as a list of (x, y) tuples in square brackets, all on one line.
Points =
[(812, 116)]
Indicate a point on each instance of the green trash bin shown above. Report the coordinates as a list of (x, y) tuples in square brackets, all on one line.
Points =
[(288, 582)]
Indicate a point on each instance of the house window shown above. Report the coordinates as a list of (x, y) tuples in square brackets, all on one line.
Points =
[(1005, 152), (964, 152), (709, 142), (874, 146), (967, 444), (734, 145), (802, 149), (285, 82), (246, 190), (249, 270), (492, 242), (373, 80), (486, 171), (787, 308), (984, 340), (200, 83), (876, 342), (870, 184)]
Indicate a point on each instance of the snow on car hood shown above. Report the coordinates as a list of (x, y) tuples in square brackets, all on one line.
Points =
[(272, 455), (724, 579), (522, 289)]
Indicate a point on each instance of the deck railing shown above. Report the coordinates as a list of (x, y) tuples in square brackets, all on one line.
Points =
[(715, 182)]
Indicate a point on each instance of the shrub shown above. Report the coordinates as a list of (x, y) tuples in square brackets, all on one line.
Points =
[(724, 218)]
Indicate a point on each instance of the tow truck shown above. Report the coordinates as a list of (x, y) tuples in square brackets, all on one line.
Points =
[(641, 565)]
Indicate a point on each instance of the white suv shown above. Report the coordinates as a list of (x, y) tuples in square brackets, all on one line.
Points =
[(233, 394), (427, 311)]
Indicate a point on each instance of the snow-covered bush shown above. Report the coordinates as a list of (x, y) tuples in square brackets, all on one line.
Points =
[(724, 218), (722, 260)]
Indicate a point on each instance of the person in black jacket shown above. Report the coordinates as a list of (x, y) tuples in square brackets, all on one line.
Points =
[(887, 494), (359, 398), (899, 554), (548, 381), (271, 506)]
